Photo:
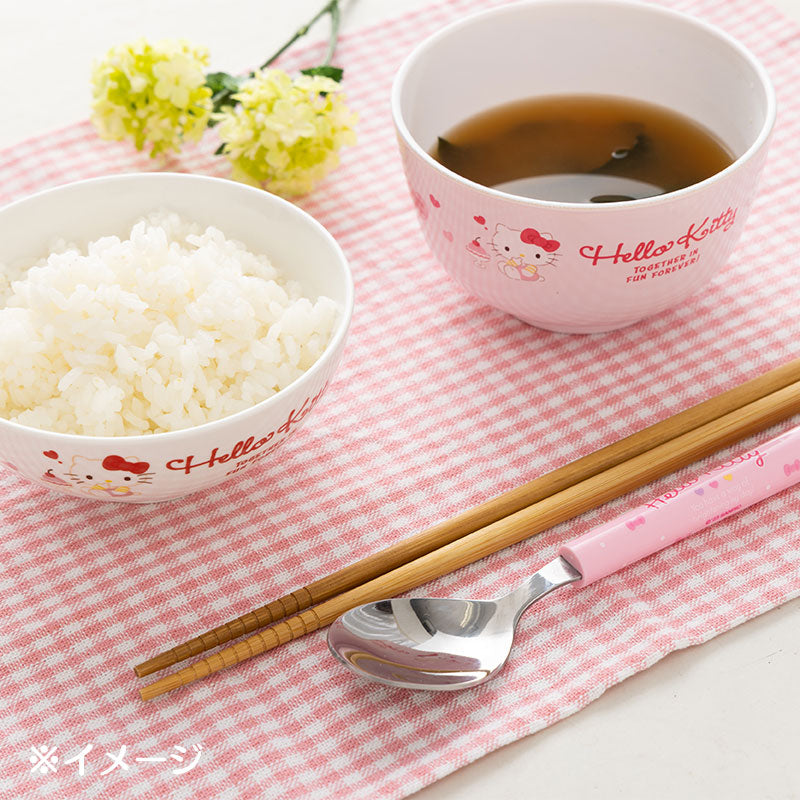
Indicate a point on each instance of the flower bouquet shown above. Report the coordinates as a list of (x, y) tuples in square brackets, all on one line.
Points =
[(280, 132)]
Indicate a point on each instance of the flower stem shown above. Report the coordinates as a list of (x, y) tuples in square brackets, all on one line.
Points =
[(332, 8), (225, 86), (334, 35)]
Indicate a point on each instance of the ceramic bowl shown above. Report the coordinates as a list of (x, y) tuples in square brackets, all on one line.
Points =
[(568, 266), (184, 461)]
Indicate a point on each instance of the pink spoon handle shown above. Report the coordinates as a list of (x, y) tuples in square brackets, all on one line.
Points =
[(723, 490)]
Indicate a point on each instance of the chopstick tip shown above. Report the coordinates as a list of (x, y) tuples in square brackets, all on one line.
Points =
[(148, 667), (159, 687), (156, 664)]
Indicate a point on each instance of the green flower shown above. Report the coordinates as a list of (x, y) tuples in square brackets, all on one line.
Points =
[(283, 134), (154, 94)]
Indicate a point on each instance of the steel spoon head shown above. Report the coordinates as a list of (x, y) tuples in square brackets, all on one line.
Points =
[(438, 643), (423, 643)]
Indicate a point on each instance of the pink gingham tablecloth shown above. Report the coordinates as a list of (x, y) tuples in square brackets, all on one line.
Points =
[(440, 403)]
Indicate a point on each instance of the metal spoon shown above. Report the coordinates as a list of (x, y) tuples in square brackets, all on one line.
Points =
[(447, 644), (438, 643)]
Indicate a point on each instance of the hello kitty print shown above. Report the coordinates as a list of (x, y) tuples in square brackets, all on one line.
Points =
[(113, 476), (519, 254)]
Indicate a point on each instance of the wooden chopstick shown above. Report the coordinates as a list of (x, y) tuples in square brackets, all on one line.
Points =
[(556, 508), (487, 513)]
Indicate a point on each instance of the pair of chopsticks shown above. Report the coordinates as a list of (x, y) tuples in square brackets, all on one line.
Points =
[(553, 498)]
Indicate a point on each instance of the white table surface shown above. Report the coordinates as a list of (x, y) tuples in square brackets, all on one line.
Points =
[(715, 721)]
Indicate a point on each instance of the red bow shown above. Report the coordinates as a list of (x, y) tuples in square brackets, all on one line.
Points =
[(532, 236), (118, 462)]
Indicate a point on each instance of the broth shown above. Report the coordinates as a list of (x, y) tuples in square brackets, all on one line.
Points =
[(582, 149)]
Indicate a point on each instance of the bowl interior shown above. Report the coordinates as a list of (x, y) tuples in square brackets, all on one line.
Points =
[(583, 47), (295, 243)]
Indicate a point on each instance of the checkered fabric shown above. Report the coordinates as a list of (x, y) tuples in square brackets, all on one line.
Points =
[(439, 404)]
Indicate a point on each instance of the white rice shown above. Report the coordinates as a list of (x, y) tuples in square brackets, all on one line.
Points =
[(170, 328)]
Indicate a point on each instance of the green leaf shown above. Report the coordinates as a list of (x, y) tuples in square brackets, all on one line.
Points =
[(335, 73), (222, 82), (222, 86)]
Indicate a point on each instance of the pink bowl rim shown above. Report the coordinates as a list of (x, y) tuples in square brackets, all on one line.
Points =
[(758, 143)]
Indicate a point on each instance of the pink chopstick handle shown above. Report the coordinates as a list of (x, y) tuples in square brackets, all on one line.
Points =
[(707, 498)]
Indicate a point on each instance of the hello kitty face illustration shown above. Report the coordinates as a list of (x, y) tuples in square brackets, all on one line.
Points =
[(520, 253), (112, 475)]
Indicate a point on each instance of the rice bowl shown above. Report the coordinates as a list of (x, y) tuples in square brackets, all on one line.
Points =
[(240, 350)]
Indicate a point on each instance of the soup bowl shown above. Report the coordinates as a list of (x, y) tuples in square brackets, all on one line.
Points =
[(582, 267)]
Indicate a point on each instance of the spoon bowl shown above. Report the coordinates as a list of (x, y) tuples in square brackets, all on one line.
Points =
[(438, 643)]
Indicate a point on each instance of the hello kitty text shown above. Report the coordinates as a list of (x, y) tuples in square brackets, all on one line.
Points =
[(646, 250), (246, 447)]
